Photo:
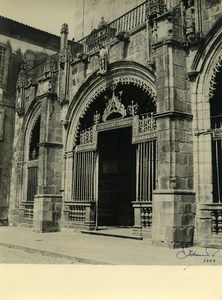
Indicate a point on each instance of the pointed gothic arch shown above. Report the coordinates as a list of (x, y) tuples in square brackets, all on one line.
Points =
[(29, 171)]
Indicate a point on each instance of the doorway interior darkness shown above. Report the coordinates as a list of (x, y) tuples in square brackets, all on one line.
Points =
[(117, 176)]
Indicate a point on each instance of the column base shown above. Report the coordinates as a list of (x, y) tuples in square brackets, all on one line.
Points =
[(47, 213), (173, 218)]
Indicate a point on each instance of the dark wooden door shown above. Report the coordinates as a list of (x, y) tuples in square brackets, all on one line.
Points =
[(116, 177)]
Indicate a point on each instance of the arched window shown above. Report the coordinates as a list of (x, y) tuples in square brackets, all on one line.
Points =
[(34, 141)]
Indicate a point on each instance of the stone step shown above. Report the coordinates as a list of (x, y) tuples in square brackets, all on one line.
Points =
[(119, 233)]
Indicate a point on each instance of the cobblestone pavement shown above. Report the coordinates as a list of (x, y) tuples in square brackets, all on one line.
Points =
[(16, 256)]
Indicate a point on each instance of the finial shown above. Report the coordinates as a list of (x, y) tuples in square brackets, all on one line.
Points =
[(65, 28)]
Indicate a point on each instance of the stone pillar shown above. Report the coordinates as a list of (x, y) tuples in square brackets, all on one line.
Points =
[(137, 228), (47, 212), (64, 36), (89, 223), (48, 201), (173, 201)]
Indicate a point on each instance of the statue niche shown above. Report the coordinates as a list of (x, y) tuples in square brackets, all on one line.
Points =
[(190, 21)]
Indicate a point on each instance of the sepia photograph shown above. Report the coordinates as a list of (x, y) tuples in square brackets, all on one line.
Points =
[(111, 149)]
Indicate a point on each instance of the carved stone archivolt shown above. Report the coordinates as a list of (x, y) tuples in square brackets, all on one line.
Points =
[(124, 80), (216, 69)]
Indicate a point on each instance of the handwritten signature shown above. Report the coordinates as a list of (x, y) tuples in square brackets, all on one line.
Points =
[(193, 253)]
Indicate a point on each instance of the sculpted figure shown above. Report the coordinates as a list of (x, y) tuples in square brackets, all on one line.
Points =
[(190, 18), (103, 59)]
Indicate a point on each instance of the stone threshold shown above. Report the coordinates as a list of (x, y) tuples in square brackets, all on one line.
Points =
[(110, 233)]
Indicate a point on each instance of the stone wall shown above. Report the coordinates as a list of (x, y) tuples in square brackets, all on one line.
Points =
[(88, 13), (18, 40), (210, 12)]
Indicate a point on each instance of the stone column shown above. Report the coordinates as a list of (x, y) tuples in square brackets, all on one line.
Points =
[(48, 201), (173, 201)]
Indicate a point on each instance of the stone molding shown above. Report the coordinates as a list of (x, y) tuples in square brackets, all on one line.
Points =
[(217, 68), (174, 192), (50, 144), (173, 114)]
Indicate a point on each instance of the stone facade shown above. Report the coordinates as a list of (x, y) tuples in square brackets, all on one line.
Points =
[(159, 82), (20, 45)]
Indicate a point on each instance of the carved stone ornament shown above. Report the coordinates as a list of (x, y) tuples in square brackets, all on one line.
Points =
[(65, 55), (83, 57), (50, 65), (29, 59), (103, 60), (102, 23), (144, 128), (217, 68), (123, 36), (21, 83), (22, 78), (125, 80), (133, 108), (114, 105), (65, 29), (65, 123), (155, 8)]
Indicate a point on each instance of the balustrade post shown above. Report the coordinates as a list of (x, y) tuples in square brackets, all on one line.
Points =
[(214, 221), (219, 221)]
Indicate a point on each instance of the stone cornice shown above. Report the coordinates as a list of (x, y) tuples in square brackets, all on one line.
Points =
[(174, 192), (168, 41), (173, 114), (47, 95), (50, 144)]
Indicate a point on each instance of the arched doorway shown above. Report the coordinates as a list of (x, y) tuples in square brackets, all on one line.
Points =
[(30, 170), (216, 127), (114, 164)]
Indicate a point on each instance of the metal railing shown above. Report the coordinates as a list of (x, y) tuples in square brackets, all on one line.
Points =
[(106, 33)]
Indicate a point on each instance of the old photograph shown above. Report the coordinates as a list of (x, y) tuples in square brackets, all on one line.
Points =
[(111, 133)]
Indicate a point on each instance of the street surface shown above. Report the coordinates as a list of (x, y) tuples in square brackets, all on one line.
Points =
[(16, 256)]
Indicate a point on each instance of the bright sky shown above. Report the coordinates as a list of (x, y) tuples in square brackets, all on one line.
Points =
[(47, 15)]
